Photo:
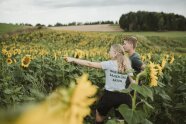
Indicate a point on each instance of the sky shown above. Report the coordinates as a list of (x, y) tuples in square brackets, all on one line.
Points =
[(66, 11)]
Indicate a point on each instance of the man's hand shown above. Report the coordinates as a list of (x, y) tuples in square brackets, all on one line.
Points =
[(143, 67)]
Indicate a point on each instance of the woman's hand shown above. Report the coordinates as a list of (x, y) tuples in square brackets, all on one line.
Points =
[(68, 59)]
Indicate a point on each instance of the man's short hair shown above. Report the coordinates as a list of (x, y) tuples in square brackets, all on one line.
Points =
[(131, 39)]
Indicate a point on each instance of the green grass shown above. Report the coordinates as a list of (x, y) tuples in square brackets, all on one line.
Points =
[(160, 34), (5, 28), (170, 34)]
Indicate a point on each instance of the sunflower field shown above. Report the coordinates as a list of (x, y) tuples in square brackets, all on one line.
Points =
[(38, 86)]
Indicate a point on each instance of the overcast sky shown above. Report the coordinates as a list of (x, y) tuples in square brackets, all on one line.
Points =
[(52, 11)]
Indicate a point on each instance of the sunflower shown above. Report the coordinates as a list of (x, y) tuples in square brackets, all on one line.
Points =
[(64, 106), (66, 54), (9, 54), (9, 61), (25, 61), (4, 51), (55, 56), (159, 69), (15, 51), (166, 56), (79, 53), (18, 51), (15, 61), (149, 56), (143, 58), (163, 63), (172, 59), (81, 100), (153, 75)]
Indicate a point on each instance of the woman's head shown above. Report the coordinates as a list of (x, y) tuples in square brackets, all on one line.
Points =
[(117, 52)]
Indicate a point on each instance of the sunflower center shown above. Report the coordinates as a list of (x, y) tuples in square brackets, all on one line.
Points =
[(26, 60)]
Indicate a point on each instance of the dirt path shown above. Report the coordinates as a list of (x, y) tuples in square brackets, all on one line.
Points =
[(104, 28)]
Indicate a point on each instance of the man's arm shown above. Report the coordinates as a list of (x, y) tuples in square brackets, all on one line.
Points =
[(132, 80), (137, 64), (84, 62)]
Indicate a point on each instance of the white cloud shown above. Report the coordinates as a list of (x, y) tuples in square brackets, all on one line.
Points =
[(52, 11), (96, 3)]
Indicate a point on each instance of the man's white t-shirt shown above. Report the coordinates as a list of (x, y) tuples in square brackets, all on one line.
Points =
[(114, 80)]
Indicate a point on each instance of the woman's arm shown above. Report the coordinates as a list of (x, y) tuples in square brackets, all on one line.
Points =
[(83, 62)]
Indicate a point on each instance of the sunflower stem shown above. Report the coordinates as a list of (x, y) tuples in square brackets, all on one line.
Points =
[(135, 92)]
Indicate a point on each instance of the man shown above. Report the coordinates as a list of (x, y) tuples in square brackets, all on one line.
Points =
[(129, 45)]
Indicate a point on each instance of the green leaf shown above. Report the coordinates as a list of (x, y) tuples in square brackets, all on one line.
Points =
[(161, 84), (165, 96), (147, 122), (125, 90), (143, 90), (49, 73), (17, 89), (131, 116), (181, 106), (111, 122), (7, 91), (182, 87), (146, 103)]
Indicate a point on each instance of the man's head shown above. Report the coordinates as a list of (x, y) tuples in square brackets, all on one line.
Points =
[(129, 43)]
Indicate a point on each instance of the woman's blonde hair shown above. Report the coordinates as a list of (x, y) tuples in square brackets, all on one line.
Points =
[(122, 60)]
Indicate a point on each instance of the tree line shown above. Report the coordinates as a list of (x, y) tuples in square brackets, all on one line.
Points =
[(152, 21), (69, 24), (80, 23)]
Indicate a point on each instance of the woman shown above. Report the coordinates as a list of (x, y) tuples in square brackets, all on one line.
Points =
[(116, 80)]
